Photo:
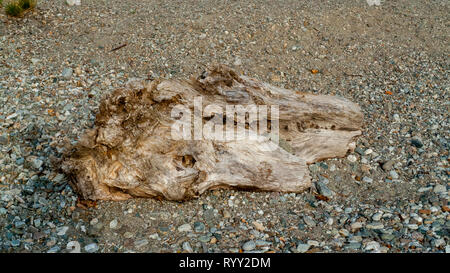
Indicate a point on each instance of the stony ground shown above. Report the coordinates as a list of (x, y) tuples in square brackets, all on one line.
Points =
[(390, 195)]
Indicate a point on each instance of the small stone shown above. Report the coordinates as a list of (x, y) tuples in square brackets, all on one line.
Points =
[(61, 231), (359, 150), (323, 189), (259, 226), (67, 73), (73, 247), (368, 151), (113, 224), (353, 245), (128, 235), (387, 166), (416, 143), (373, 245), (187, 247), (313, 243), (199, 227), (375, 225), (213, 240), (439, 188), (377, 216), (344, 232), (388, 237), (309, 221), (250, 245), (302, 248), (204, 238), (412, 226), (367, 179), (54, 249), (37, 163), (73, 2), (226, 214), (351, 158), (393, 174), (91, 248), (34, 61), (185, 228), (424, 189), (15, 243), (154, 236), (447, 249), (141, 243), (356, 225), (93, 222)]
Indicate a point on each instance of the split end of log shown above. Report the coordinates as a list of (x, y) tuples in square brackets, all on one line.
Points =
[(131, 151)]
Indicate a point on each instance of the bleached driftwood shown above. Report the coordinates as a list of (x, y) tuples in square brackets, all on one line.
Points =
[(130, 152)]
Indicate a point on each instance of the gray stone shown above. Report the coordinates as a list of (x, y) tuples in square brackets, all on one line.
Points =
[(250, 245), (199, 227), (185, 228), (67, 72), (187, 247), (37, 163), (416, 143), (309, 221), (302, 248), (323, 189), (91, 248), (387, 166), (113, 224), (367, 179), (15, 243), (375, 225), (54, 249), (393, 174), (61, 231), (141, 243), (204, 238), (439, 188)]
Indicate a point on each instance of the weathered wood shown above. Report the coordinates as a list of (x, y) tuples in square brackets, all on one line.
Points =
[(130, 151)]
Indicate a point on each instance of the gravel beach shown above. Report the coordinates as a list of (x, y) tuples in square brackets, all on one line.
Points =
[(390, 195)]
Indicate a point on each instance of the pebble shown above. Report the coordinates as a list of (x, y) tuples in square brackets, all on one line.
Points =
[(73, 247), (113, 224), (377, 216), (439, 188), (393, 174), (375, 225), (416, 143), (366, 179), (185, 228), (61, 231), (351, 158), (73, 2), (67, 73), (199, 227), (373, 245), (54, 249), (187, 247), (141, 243), (302, 248), (15, 243), (387, 166), (91, 248), (258, 226), (323, 189), (309, 221), (249, 245)]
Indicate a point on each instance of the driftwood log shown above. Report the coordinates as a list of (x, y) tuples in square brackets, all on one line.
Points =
[(131, 151)]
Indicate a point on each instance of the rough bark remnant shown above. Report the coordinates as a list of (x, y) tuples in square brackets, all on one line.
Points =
[(130, 152)]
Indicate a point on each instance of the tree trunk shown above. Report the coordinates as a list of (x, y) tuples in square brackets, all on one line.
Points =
[(135, 149)]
